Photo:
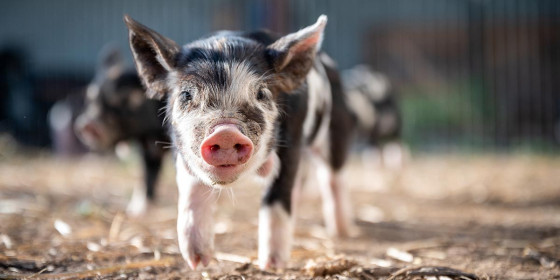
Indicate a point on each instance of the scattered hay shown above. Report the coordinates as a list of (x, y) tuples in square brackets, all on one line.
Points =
[(433, 272), (330, 267), (99, 272)]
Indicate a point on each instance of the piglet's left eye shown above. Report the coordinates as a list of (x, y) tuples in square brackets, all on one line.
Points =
[(186, 96), (260, 95)]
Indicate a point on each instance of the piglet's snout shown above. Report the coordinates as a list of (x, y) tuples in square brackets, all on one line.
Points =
[(226, 147)]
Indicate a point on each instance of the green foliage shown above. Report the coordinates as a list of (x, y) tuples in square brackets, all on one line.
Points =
[(455, 114)]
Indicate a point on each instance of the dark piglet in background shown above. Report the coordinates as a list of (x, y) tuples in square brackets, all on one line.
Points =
[(116, 109), (370, 96), (245, 108)]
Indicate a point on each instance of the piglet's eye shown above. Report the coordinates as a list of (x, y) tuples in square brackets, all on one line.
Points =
[(260, 95), (186, 95)]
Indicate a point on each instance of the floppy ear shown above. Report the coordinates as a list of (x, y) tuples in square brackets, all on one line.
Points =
[(110, 62), (154, 56), (292, 56)]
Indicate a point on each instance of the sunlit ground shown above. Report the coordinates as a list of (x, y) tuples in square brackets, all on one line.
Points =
[(497, 217)]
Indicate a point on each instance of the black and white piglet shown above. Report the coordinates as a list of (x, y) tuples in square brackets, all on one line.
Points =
[(244, 108), (117, 109), (372, 99)]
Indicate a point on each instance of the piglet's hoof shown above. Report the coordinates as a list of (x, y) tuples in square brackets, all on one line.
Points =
[(195, 255), (272, 262), (195, 259), (196, 247)]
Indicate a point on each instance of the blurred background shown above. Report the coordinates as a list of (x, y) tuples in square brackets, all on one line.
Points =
[(478, 89), (469, 74)]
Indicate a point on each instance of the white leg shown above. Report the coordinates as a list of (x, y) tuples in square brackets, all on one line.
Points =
[(393, 155), (336, 208), (275, 236), (138, 204), (194, 222)]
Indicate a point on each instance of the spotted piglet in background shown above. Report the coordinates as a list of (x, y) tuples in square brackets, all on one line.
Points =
[(372, 99), (244, 108), (117, 109)]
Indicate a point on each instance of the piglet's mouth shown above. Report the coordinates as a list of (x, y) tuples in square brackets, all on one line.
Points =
[(93, 135), (225, 174)]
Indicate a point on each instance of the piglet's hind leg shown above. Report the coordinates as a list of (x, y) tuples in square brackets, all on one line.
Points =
[(336, 207)]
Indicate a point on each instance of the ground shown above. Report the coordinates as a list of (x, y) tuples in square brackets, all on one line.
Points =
[(467, 217)]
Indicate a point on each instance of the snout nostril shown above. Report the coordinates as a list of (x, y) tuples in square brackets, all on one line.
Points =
[(238, 147), (214, 148)]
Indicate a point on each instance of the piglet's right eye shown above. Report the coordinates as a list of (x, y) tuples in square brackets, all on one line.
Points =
[(186, 96)]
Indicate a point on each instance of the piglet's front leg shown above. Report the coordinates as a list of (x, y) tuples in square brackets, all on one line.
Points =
[(194, 222)]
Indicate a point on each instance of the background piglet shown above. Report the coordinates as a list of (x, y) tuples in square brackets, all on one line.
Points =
[(116, 110), (371, 98)]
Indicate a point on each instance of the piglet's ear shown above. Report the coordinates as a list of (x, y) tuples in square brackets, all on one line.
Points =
[(292, 56), (110, 62), (154, 56)]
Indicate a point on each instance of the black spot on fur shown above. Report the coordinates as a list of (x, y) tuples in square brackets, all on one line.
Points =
[(198, 54), (343, 122), (289, 137), (254, 114)]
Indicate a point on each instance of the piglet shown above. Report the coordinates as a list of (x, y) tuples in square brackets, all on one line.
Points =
[(244, 108), (372, 98), (117, 109)]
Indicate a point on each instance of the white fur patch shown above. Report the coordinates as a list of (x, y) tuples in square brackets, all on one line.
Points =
[(376, 84), (362, 107), (92, 91), (320, 99), (243, 83), (327, 60), (275, 236)]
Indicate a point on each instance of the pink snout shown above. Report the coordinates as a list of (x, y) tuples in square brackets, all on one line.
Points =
[(226, 147), (91, 130)]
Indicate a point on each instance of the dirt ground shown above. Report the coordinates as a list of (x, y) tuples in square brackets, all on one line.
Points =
[(458, 217)]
